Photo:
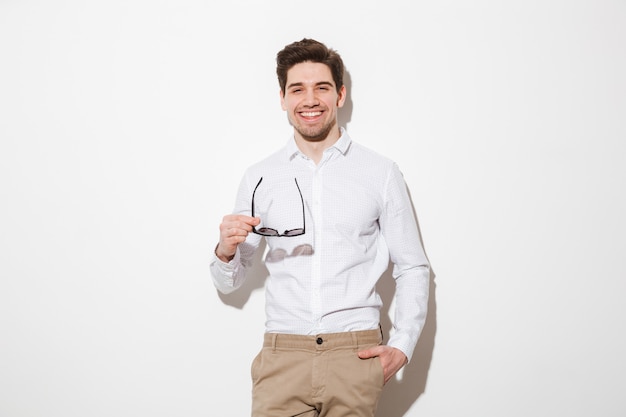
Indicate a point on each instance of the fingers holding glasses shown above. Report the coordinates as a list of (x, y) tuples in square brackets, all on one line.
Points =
[(233, 231)]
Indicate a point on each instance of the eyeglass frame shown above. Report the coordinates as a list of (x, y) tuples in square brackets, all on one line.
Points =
[(274, 232)]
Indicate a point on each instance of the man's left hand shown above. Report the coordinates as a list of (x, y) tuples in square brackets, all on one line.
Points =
[(391, 359)]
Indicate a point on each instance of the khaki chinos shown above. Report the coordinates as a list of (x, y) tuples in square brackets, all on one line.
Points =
[(316, 376)]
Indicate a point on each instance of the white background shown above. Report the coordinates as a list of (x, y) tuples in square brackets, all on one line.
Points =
[(125, 127)]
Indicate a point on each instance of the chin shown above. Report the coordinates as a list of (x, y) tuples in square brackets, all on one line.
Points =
[(316, 135)]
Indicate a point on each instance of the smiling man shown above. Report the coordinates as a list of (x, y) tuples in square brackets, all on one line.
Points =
[(311, 100), (333, 214)]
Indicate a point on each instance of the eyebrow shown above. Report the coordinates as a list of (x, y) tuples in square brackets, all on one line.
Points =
[(328, 83)]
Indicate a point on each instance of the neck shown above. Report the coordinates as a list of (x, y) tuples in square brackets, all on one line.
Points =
[(314, 149)]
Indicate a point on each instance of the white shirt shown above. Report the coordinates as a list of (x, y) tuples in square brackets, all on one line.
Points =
[(357, 218)]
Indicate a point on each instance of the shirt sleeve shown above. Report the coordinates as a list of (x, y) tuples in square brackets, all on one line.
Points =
[(229, 276), (411, 269)]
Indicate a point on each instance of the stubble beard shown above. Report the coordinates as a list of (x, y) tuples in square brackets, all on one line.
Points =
[(314, 134)]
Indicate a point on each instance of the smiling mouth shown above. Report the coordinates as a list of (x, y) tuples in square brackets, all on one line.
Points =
[(310, 113)]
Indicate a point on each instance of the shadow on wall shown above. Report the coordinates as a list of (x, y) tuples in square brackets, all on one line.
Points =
[(345, 113), (399, 395)]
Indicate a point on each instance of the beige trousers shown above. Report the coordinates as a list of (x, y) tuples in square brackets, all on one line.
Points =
[(316, 376)]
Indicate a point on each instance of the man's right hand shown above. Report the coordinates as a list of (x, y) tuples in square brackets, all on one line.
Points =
[(233, 231)]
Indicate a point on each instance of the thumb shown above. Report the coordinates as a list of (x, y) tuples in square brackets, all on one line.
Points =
[(369, 353)]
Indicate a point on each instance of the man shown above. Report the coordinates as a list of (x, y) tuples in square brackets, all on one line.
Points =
[(333, 215)]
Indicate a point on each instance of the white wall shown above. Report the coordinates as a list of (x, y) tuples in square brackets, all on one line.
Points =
[(126, 125)]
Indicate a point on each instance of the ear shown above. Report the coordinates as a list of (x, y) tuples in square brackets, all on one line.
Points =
[(282, 100), (341, 97)]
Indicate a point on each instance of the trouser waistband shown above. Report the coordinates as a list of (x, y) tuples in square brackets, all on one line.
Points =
[(323, 341)]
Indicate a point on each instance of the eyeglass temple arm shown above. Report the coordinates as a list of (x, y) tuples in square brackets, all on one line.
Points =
[(301, 199), (253, 193)]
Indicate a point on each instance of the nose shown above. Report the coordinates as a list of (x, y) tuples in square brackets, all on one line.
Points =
[(311, 98)]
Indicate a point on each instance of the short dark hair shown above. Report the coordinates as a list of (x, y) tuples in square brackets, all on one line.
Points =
[(308, 50)]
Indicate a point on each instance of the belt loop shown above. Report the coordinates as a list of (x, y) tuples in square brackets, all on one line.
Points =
[(274, 335), (355, 340), (382, 336)]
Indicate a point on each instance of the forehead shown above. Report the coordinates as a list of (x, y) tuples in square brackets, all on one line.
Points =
[(309, 73)]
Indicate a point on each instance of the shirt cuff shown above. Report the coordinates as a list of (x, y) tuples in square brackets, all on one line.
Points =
[(224, 273), (404, 343)]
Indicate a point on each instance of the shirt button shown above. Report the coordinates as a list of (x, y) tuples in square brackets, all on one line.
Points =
[(319, 341)]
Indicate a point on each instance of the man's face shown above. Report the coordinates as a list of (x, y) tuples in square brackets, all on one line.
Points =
[(311, 100)]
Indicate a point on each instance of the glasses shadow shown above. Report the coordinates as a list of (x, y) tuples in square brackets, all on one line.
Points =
[(279, 254)]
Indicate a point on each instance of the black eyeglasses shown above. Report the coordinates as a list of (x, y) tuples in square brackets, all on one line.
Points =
[(267, 231)]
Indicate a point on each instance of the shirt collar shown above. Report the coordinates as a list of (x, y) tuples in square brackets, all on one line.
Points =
[(342, 145)]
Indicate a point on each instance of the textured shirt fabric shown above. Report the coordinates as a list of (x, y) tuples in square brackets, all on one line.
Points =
[(358, 218)]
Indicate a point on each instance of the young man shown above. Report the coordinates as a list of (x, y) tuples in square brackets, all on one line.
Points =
[(333, 215)]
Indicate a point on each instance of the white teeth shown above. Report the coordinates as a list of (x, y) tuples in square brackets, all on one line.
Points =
[(311, 113)]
